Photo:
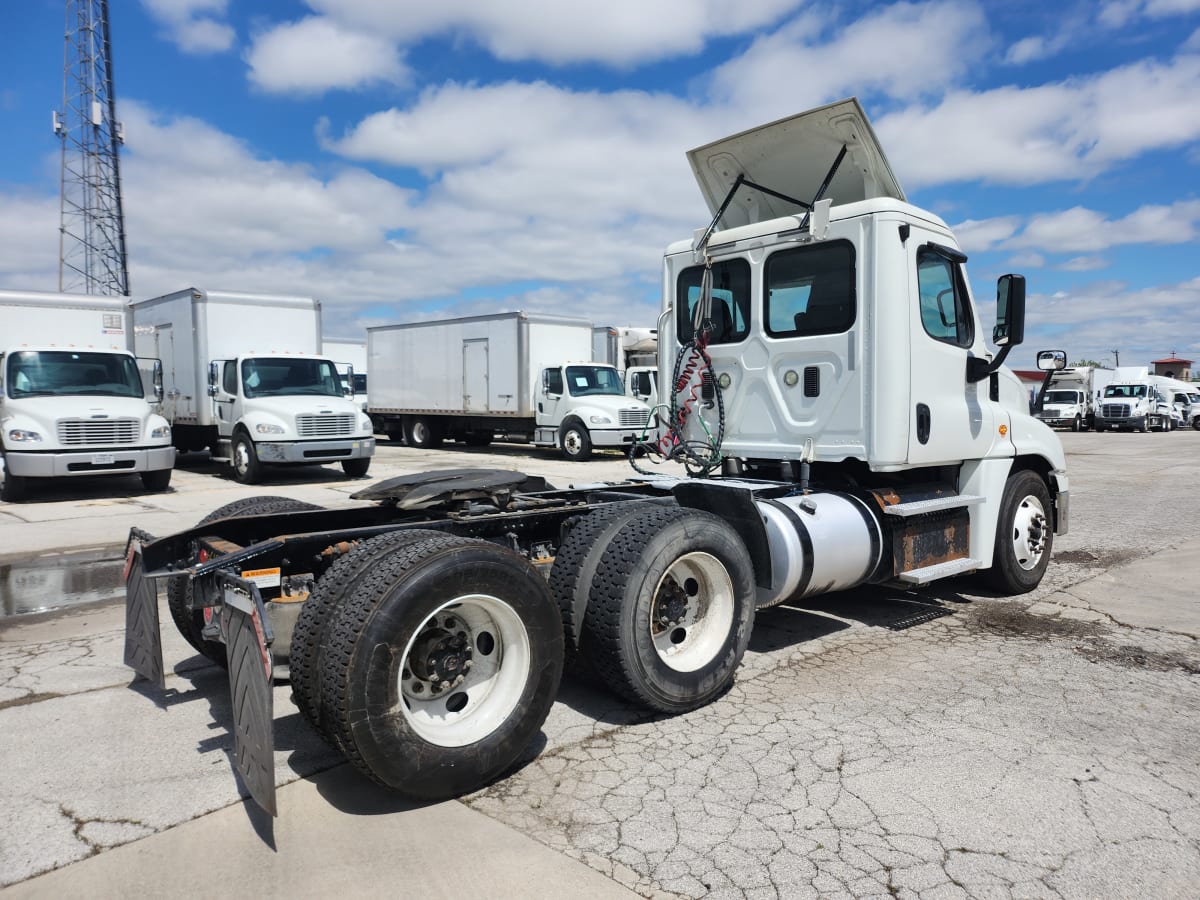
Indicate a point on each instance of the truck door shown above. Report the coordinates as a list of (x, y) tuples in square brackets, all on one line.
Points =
[(549, 397), (475, 375), (225, 397), (950, 419)]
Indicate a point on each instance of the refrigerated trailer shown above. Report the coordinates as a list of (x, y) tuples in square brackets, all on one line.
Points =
[(519, 375), (245, 378), (843, 420), (73, 400)]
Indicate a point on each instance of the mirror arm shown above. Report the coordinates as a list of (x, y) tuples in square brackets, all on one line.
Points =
[(1041, 394)]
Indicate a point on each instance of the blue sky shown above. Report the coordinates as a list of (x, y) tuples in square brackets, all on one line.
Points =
[(404, 160)]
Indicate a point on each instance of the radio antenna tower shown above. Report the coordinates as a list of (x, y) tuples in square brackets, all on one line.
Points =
[(91, 251)]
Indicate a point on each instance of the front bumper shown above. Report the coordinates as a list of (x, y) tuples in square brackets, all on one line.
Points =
[(89, 462), (1134, 422), (315, 452), (613, 437)]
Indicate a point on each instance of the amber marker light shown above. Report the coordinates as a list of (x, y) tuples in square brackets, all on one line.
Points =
[(1003, 430)]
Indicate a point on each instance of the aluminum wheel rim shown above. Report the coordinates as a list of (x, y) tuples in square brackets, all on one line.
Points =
[(420, 433), (1029, 533), (481, 695), (691, 613), (573, 441), (241, 458)]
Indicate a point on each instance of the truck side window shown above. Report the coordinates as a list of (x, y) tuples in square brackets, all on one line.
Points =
[(945, 310), (229, 377), (730, 305), (554, 381), (810, 290)]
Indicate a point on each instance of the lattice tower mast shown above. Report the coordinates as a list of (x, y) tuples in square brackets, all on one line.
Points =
[(92, 226)]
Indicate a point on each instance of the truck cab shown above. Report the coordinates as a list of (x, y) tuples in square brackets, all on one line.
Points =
[(281, 409), (1064, 407), (584, 405)]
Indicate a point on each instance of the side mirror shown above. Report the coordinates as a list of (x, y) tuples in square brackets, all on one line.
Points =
[(158, 381), (1010, 311), (214, 377), (1051, 360)]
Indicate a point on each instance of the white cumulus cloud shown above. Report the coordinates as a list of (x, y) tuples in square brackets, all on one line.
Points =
[(317, 54), (195, 26)]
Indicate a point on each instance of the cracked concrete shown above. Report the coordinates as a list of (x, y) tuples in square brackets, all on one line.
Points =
[(1041, 746)]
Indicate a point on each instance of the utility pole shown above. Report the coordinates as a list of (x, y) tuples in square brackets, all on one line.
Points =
[(91, 249), (1117, 356)]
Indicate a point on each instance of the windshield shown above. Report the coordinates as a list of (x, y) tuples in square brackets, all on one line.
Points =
[(585, 381), (59, 373), (281, 377), (1062, 397), (1125, 390)]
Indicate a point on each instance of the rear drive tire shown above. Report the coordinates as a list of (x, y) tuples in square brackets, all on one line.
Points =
[(422, 433), (179, 589), (465, 613), (243, 459), (158, 480), (341, 580), (1024, 535), (671, 609), (356, 468), (478, 438)]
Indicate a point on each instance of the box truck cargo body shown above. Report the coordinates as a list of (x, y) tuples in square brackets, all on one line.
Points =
[(522, 375), (1073, 396), (244, 377), (350, 358), (72, 397)]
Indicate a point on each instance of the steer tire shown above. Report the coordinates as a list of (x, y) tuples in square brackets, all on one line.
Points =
[(157, 480), (339, 581), (15, 488), (574, 441), (423, 613), (1024, 535), (190, 622), (671, 609), (356, 468), (243, 460)]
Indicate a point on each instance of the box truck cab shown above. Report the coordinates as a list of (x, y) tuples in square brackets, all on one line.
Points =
[(72, 397), (1073, 396), (245, 378)]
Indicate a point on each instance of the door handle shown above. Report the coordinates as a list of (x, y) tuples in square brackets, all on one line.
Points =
[(923, 423)]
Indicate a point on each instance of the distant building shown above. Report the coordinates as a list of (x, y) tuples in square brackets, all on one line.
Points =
[(1173, 367)]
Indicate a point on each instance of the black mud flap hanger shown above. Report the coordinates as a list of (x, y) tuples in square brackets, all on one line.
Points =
[(248, 638), (143, 640)]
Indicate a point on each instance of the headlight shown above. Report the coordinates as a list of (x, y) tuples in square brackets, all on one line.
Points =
[(18, 435), (267, 428), (600, 420), (162, 431)]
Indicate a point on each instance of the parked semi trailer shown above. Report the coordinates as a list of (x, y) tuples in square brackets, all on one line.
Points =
[(245, 377), (845, 423), (516, 374), (73, 400)]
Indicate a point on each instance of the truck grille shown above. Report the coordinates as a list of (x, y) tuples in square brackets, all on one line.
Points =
[(632, 418), (311, 426), (1115, 410), (97, 432)]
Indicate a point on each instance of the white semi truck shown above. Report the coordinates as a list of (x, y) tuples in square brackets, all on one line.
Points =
[(72, 397), (845, 422), (1135, 400), (1073, 395), (245, 377), (521, 375)]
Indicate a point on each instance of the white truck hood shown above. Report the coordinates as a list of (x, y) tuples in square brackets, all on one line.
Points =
[(793, 156)]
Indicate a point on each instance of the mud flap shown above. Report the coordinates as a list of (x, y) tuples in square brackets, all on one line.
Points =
[(247, 635), (143, 640)]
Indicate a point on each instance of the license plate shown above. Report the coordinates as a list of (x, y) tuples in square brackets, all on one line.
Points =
[(103, 459)]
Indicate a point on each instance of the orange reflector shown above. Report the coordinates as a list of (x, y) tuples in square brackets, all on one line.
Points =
[(1003, 430)]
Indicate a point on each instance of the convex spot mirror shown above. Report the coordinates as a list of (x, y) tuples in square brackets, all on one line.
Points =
[(1051, 360)]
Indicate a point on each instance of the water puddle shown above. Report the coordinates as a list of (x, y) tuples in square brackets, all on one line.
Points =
[(60, 581)]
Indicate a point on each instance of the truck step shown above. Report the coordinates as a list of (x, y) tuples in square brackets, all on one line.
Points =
[(218, 459), (926, 614), (927, 574), (937, 504)]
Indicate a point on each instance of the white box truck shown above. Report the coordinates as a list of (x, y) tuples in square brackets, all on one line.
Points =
[(350, 359), (245, 377), (1073, 395), (871, 435), (72, 399), (522, 375)]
